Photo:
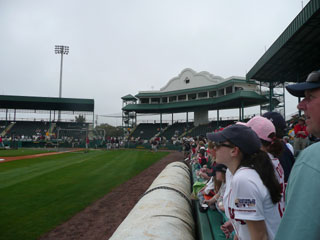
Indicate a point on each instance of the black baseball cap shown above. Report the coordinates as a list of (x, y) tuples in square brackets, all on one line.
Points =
[(239, 135), (312, 82)]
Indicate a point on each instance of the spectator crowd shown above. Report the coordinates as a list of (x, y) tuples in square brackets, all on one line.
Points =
[(263, 175)]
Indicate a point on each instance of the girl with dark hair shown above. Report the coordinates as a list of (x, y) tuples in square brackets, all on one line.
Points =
[(252, 190), (266, 131)]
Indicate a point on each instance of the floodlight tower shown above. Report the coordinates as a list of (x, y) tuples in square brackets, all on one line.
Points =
[(59, 49)]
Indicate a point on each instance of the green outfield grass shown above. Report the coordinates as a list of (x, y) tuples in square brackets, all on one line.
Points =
[(40, 193), (22, 152)]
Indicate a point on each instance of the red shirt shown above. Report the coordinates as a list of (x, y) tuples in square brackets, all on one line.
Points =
[(298, 128)]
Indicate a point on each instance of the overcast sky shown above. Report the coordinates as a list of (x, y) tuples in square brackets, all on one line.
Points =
[(120, 47)]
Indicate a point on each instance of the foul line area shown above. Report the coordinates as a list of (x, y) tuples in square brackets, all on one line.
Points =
[(8, 159)]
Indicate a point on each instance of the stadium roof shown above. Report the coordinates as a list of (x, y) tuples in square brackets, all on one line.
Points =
[(230, 101), (129, 97), (192, 90), (46, 103), (295, 53)]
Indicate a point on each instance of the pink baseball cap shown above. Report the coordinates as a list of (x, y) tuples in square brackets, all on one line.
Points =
[(262, 126)]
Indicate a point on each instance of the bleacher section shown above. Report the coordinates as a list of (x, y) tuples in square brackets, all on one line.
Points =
[(5, 128), (210, 127), (177, 129), (202, 130), (29, 129), (147, 130)]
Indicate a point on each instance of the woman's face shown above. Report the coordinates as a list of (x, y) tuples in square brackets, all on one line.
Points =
[(222, 151)]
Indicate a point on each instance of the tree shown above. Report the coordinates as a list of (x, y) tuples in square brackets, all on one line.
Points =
[(80, 119), (110, 130)]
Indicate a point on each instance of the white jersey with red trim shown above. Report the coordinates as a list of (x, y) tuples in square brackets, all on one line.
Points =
[(278, 170), (248, 199)]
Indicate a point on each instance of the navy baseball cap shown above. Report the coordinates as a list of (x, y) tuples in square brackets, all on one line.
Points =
[(312, 82), (239, 135), (277, 119)]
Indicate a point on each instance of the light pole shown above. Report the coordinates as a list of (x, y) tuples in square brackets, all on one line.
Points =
[(59, 49)]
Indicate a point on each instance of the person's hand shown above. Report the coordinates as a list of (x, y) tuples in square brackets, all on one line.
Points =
[(227, 228), (210, 201)]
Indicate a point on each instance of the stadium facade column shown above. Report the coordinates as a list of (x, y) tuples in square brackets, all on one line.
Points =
[(14, 116), (217, 118), (172, 119), (160, 122), (242, 110), (270, 96), (93, 119), (187, 119), (299, 99), (6, 114)]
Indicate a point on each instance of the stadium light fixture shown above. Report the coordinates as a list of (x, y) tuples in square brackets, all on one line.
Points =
[(62, 50)]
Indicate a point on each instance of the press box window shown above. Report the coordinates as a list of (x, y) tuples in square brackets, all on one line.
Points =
[(155, 100), (212, 94), (203, 95), (164, 99), (221, 92), (192, 96), (229, 90), (144, 100), (182, 97), (173, 99)]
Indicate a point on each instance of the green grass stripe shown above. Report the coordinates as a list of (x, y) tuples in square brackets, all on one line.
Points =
[(41, 193)]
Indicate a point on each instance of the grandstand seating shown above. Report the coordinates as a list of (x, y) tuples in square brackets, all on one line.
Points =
[(210, 127), (202, 130), (147, 130), (5, 127), (28, 129), (176, 129)]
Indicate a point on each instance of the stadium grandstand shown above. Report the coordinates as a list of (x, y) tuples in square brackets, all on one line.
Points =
[(293, 55), (45, 121), (190, 92)]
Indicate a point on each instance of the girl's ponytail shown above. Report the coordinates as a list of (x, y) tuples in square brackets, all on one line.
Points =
[(261, 162)]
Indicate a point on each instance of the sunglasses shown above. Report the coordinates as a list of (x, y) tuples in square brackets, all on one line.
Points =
[(313, 77), (217, 145)]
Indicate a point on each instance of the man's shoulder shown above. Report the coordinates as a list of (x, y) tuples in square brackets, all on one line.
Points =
[(309, 157), (311, 150)]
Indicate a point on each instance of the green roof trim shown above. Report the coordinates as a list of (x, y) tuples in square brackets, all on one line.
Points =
[(300, 20), (230, 101), (46, 103), (129, 97), (194, 90)]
